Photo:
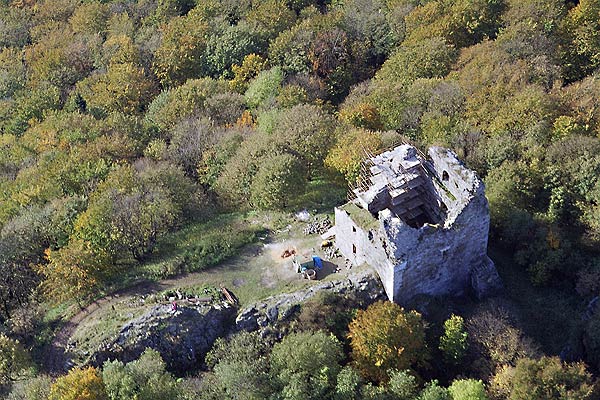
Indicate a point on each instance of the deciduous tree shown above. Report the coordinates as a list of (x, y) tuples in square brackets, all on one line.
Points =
[(79, 384), (385, 336)]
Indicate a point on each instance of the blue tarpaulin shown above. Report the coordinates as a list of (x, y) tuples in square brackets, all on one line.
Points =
[(318, 262)]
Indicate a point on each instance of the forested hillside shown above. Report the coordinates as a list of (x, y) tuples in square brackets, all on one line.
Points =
[(125, 124)]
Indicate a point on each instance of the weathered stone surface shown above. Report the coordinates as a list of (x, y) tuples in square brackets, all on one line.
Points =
[(266, 314), (485, 280), (421, 224), (182, 338)]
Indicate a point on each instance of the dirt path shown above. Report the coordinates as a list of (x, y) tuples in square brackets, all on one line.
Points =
[(262, 262), (56, 357)]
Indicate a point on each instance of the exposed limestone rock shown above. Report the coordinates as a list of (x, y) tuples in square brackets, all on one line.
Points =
[(182, 338), (422, 223), (268, 313)]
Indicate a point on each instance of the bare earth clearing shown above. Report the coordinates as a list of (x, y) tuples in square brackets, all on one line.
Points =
[(257, 272)]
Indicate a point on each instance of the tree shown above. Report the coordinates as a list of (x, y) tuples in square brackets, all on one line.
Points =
[(126, 215), (279, 179), (433, 391), (188, 100), (264, 87), (14, 30), (384, 336), (366, 23), (29, 107), (73, 272), (182, 50), (124, 88), (453, 342), (60, 57), (14, 360), (241, 366), (403, 385), (348, 154), (307, 131), (269, 18), (461, 23), (349, 383), (582, 27), (250, 67), (467, 389), (191, 137), (496, 340), (546, 378), (430, 58), (306, 364), (79, 384), (143, 379), (12, 72), (36, 388), (228, 47), (90, 18)]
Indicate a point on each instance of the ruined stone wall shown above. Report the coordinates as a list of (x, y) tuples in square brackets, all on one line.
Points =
[(431, 259), (438, 260), (365, 246)]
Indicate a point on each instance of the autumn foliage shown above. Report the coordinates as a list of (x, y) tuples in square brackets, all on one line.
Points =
[(385, 336)]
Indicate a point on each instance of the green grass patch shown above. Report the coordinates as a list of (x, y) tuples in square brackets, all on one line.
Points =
[(201, 245), (361, 217), (321, 194)]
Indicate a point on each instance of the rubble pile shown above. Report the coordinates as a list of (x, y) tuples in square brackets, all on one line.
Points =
[(318, 225)]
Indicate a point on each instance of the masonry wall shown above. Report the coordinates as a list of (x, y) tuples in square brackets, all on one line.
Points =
[(435, 260), (432, 259), (365, 246)]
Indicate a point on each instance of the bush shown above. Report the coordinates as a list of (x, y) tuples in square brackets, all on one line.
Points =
[(143, 379), (546, 378), (37, 388), (496, 340), (241, 366), (14, 359)]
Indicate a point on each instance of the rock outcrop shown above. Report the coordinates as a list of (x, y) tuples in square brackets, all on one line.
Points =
[(182, 338), (365, 286)]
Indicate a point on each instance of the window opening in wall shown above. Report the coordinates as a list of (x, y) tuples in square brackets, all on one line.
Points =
[(445, 176), (353, 249), (353, 229)]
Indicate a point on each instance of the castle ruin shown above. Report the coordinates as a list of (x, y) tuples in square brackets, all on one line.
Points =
[(421, 222)]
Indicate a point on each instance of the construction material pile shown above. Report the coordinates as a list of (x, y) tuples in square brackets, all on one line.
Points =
[(318, 225)]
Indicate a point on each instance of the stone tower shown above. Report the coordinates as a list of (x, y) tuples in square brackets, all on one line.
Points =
[(421, 222)]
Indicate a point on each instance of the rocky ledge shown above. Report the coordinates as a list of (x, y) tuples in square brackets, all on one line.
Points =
[(182, 338), (267, 314)]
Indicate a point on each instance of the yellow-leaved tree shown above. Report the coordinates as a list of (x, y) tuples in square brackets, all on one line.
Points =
[(385, 337), (79, 384)]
